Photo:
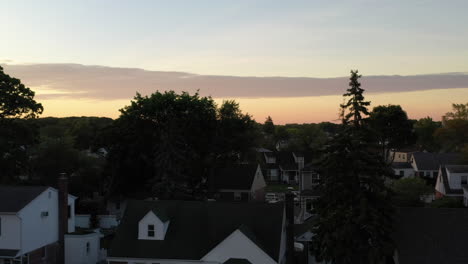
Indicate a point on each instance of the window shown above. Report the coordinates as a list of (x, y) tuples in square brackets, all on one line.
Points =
[(237, 196), (44, 252), (151, 230), (402, 173), (428, 174), (464, 180), (87, 248)]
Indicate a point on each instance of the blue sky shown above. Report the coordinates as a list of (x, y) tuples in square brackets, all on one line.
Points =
[(243, 37)]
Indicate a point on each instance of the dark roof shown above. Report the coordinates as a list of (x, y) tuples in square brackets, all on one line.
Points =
[(309, 167), (457, 168), (431, 235), (161, 214), (432, 161), (237, 177), (9, 253), (449, 190), (15, 198), (237, 261), (195, 228), (401, 165), (286, 160)]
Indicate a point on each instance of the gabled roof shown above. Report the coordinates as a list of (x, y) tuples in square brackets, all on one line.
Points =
[(237, 261), (448, 190), (236, 177), (432, 161), (15, 198), (401, 165), (431, 235), (196, 228), (457, 168)]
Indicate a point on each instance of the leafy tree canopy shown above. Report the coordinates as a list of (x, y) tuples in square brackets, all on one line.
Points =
[(408, 191)]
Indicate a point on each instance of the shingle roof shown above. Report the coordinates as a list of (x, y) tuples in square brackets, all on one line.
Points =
[(237, 261), (432, 161), (236, 177), (449, 190), (15, 198), (457, 168), (401, 165), (431, 235), (195, 228), (9, 253)]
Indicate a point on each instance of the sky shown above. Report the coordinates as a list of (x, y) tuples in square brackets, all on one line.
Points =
[(220, 46)]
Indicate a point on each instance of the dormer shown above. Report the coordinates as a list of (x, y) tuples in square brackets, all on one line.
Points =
[(153, 226)]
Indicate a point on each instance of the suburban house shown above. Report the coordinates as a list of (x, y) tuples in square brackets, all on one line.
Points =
[(239, 182), (186, 232), (33, 221), (403, 169), (451, 181), (283, 166), (426, 164), (308, 191), (431, 235), (400, 155)]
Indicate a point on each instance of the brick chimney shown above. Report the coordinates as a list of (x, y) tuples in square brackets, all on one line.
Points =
[(289, 205), (62, 185)]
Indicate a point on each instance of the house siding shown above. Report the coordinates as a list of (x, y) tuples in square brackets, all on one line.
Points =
[(11, 228)]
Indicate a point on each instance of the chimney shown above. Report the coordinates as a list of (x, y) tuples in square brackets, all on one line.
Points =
[(289, 204), (62, 185)]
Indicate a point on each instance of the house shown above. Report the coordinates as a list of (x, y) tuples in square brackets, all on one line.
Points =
[(465, 195), (400, 155), (403, 169), (431, 235), (33, 220), (426, 164), (283, 166), (239, 182), (187, 232), (451, 181)]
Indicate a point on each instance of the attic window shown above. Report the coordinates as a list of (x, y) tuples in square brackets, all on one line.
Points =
[(150, 230)]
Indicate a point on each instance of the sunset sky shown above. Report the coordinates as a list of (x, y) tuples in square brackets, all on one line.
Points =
[(278, 58)]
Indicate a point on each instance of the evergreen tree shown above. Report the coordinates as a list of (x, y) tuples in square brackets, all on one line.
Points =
[(269, 126), (354, 221)]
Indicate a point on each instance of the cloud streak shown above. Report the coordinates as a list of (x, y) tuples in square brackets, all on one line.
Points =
[(52, 81)]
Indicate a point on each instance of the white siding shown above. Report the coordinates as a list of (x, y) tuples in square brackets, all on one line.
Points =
[(259, 180), (76, 250), (160, 228), (10, 230), (237, 245), (455, 179), (37, 230)]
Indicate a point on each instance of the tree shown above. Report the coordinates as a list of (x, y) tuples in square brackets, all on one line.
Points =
[(424, 129), (269, 126), (408, 191), (391, 127), (354, 221), (16, 137), (453, 135)]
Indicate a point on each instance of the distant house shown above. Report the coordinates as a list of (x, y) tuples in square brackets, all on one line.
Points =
[(283, 166), (426, 164), (403, 169), (431, 235), (451, 181), (200, 232), (400, 155), (239, 182), (29, 223)]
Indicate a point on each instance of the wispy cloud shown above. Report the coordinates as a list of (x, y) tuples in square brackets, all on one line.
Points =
[(108, 83)]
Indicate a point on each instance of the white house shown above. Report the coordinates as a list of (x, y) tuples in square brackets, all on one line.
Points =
[(188, 232), (427, 164), (403, 169), (29, 223), (451, 180)]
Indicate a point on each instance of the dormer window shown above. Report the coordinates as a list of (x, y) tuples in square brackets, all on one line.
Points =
[(150, 230)]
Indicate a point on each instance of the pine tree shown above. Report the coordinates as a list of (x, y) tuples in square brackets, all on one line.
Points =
[(354, 221)]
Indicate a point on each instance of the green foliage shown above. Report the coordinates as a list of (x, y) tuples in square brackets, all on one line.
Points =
[(166, 143), (453, 135), (447, 202), (16, 100), (408, 191), (269, 126), (354, 222), (391, 127), (424, 129)]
